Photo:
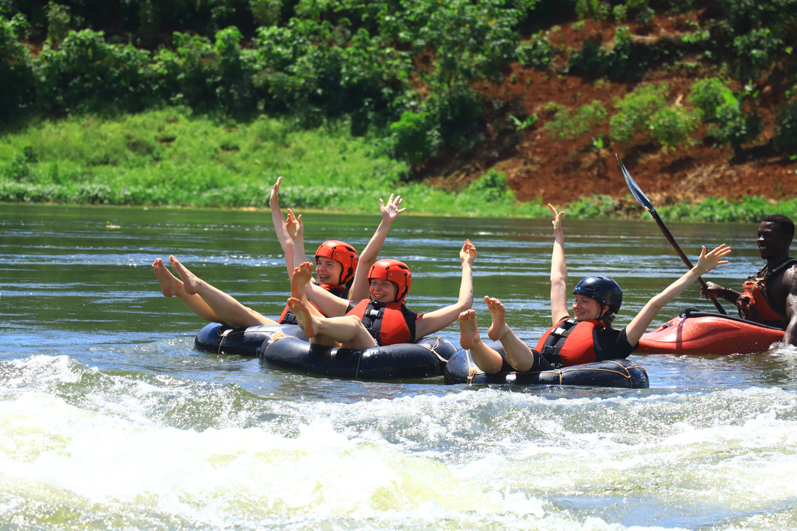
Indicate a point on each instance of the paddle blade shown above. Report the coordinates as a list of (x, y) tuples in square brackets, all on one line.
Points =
[(637, 192)]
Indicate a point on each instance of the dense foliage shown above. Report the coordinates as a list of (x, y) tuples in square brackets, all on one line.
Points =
[(402, 73)]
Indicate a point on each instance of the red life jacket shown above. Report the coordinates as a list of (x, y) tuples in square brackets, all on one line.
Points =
[(753, 304), (389, 324), (287, 316), (570, 342)]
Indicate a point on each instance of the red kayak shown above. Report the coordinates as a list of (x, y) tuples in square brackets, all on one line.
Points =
[(695, 332)]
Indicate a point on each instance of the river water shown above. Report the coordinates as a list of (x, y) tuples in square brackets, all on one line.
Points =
[(109, 419)]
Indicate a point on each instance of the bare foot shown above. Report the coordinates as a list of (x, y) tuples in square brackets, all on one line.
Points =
[(189, 280), (303, 316), (302, 276), (468, 329), (170, 284), (498, 313)]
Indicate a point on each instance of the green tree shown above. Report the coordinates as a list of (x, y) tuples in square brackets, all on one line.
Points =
[(17, 75), (723, 110), (646, 111)]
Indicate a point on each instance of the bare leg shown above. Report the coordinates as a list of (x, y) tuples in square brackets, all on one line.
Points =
[(303, 316), (302, 276), (348, 331), (228, 310), (485, 357), (171, 286), (518, 354), (498, 314)]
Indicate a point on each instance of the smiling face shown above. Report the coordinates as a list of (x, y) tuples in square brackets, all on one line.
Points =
[(585, 308), (383, 291), (771, 239), (328, 270)]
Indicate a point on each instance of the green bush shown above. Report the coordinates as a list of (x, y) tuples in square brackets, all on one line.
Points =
[(750, 34), (736, 128), (625, 60), (538, 53), (710, 96), (236, 67), (786, 128), (758, 48), (598, 206), (87, 74), (636, 110), (58, 22), (491, 187), (567, 124), (17, 73), (722, 109), (266, 12), (672, 126), (594, 9), (646, 111), (414, 137)]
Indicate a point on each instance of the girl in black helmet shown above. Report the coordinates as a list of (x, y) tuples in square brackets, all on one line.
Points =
[(587, 337)]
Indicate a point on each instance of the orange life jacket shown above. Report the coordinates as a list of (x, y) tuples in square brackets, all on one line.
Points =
[(754, 305), (570, 342), (287, 316), (389, 324)]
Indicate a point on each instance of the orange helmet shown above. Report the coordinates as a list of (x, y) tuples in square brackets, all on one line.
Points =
[(343, 253), (394, 271)]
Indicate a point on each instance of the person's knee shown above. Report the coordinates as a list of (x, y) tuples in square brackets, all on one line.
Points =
[(355, 321)]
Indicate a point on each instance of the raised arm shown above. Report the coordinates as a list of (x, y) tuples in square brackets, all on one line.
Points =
[(705, 263), (295, 229), (431, 322), (280, 228), (558, 269), (790, 281), (389, 211)]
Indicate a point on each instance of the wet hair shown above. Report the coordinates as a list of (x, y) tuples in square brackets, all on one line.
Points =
[(607, 319), (784, 224)]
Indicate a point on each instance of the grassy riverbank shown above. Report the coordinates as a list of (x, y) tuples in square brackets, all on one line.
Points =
[(169, 157)]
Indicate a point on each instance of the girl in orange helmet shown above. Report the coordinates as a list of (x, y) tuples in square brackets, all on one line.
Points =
[(336, 264), (381, 318)]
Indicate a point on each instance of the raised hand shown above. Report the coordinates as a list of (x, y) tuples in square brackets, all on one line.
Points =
[(273, 199), (294, 225), (468, 253), (709, 261), (557, 217), (390, 211)]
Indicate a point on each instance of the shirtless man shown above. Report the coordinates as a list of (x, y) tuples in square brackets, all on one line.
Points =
[(770, 296)]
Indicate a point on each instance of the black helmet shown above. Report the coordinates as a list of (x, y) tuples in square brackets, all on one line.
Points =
[(603, 289)]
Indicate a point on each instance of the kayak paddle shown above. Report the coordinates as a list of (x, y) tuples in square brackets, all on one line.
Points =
[(643, 200)]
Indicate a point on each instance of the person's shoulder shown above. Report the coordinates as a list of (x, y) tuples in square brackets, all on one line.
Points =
[(790, 277)]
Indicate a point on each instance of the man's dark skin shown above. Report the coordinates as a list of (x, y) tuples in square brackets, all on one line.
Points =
[(781, 288)]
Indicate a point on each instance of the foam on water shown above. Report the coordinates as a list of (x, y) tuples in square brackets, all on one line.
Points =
[(80, 445)]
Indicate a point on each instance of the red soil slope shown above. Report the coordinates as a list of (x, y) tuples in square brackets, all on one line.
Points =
[(538, 166)]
